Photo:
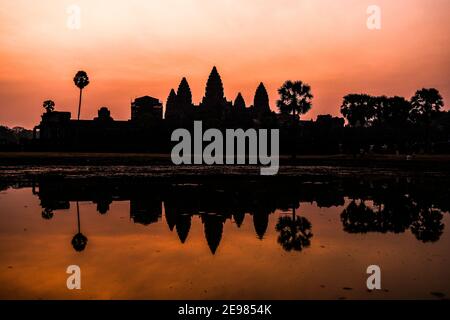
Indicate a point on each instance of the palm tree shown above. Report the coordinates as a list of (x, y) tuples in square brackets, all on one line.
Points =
[(295, 99), (79, 241), (49, 105), (81, 80)]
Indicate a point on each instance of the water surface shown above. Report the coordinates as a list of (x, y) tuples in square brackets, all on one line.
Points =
[(299, 238)]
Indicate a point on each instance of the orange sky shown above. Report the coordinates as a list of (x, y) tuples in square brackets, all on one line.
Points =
[(137, 47)]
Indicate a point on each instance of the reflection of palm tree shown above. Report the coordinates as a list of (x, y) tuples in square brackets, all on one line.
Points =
[(81, 80), (428, 227), (79, 241), (47, 213), (295, 232)]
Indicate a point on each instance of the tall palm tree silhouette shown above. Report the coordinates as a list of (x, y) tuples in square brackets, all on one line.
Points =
[(49, 105), (81, 80), (295, 99), (295, 232), (79, 241)]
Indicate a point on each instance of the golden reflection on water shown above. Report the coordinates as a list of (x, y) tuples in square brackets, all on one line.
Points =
[(125, 260)]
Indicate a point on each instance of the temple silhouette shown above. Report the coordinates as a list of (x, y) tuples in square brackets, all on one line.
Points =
[(368, 124), (148, 130), (58, 131)]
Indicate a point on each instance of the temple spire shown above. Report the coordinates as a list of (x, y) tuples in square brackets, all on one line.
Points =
[(239, 103), (214, 93), (184, 95), (261, 101), (171, 105)]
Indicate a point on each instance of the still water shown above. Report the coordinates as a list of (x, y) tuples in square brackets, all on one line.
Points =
[(299, 238)]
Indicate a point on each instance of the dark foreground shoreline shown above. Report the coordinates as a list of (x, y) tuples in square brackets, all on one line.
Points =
[(132, 159), (22, 166)]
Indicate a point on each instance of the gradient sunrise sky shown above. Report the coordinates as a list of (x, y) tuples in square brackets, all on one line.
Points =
[(138, 47)]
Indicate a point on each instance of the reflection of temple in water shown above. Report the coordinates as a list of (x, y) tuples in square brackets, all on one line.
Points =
[(181, 203), (393, 206), (145, 211)]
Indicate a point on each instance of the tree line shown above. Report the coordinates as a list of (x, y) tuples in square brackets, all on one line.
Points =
[(363, 110)]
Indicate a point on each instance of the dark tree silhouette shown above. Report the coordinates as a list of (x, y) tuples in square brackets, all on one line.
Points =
[(425, 103), (358, 109), (394, 213), (79, 241), (261, 100), (295, 232), (428, 227), (49, 105), (358, 218), (81, 80), (295, 98), (392, 111)]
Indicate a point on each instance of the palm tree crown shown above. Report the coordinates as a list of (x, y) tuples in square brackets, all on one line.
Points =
[(49, 105), (295, 97), (81, 79)]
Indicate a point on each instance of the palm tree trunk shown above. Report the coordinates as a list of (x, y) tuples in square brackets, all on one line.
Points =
[(78, 217), (79, 104), (293, 211), (294, 135)]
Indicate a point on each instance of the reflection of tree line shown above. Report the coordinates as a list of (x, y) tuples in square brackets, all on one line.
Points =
[(397, 208), (378, 205)]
